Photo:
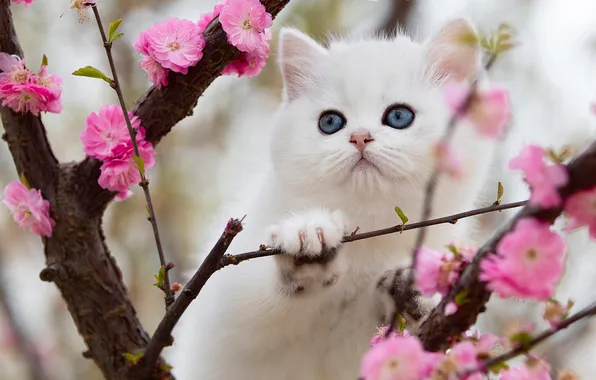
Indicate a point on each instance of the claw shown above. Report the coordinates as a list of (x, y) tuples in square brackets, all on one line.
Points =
[(320, 235), (302, 237)]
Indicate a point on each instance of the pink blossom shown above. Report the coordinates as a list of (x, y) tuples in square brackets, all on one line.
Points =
[(29, 209), (537, 371), (244, 21), (206, 18), (581, 207), (488, 110), (400, 358), (543, 179), (106, 131), (118, 174), (156, 73), (449, 160), (23, 91), (435, 271), (380, 335), (82, 7), (123, 195), (175, 44), (465, 357), (450, 308), (555, 312), (528, 263), (26, 2)]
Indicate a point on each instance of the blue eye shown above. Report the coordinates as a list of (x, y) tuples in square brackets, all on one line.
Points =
[(331, 122), (398, 116)]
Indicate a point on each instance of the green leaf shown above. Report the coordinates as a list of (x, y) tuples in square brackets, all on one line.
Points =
[(402, 323), (44, 60), (453, 249), (498, 367), (461, 298), (402, 216), (24, 181), (160, 277), (133, 359), (117, 36), (140, 163), (165, 367), (522, 338), (91, 72), (500, 192), (113, 28)]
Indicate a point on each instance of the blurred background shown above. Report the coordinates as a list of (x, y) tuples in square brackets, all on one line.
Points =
[(551, 76)]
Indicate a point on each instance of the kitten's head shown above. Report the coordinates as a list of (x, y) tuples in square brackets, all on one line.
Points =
[(361, 116)]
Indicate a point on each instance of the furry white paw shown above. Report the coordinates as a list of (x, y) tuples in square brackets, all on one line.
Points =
[(392, 284), (310, 242)]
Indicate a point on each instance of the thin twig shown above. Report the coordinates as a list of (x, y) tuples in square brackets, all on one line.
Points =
[(162, 336), (166, 288), (429, 193), (451, 219), (589, 311)]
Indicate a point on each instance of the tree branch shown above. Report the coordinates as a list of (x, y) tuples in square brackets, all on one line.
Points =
[(438, 328), (397, 17), (587, 312), (451, 219), (162, 336), (160, 109)]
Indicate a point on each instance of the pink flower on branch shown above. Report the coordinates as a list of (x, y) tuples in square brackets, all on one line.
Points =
[(528, 262), (107, 131), (581, 208), (245, 21), (29, 209), (121, 172), (488, 111), (543, 179), (401, 357), (82, 7), (26, 2), (175, 44), (23, 91), (435, 271)]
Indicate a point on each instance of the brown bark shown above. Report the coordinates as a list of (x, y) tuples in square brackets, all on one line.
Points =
[(78, 260)]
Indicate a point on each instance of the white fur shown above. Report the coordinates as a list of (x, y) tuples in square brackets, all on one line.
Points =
[(245, 324)]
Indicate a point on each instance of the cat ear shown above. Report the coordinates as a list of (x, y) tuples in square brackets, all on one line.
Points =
[(298, 56), (454, 52)]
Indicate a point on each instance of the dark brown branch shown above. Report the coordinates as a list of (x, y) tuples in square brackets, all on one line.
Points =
[(165, 286), (438, 328), (451, 219), (397, 17), (24, 344), (78, 260), (160, 109), (589, 311), (162, 336), (25, 133)]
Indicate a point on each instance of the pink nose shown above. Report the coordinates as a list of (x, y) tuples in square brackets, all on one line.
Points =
[(360, 139)]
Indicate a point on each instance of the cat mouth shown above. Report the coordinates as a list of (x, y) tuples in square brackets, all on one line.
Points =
[(365, 164)]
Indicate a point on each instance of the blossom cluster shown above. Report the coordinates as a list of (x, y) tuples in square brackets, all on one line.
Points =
[(402, 356), (26, 2), (28, 208), (24, 91), (106, 137), (488, 110), (176, 44)]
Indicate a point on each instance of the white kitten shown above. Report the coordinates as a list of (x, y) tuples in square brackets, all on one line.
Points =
[(352, 140)]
